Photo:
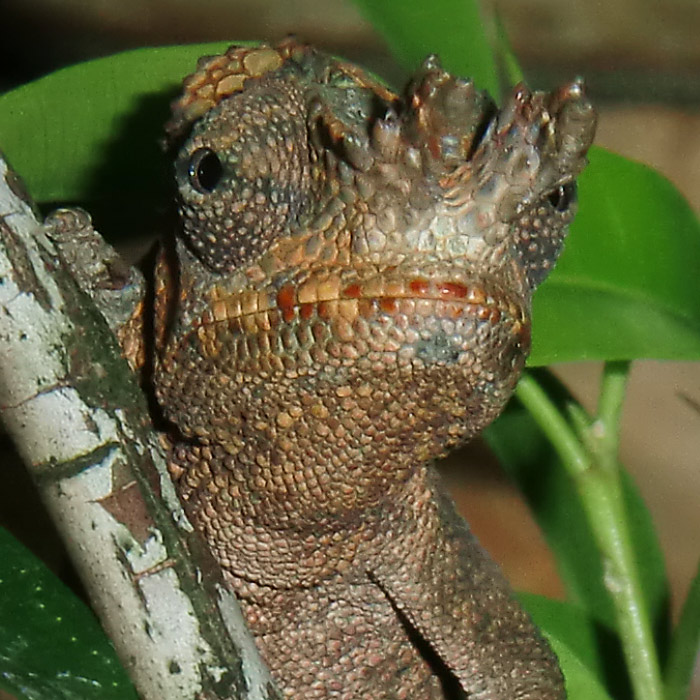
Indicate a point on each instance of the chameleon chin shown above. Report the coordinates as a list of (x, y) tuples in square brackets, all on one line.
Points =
[(348, 297)]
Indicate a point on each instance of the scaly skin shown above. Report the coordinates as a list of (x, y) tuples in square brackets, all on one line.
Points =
[(348, 299)]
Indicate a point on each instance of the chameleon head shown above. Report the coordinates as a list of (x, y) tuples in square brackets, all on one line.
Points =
[(356, 268)]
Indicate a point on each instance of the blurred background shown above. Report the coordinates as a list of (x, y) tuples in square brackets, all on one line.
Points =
[(641, 61)]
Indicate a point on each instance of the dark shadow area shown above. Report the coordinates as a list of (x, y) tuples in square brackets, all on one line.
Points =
[(450, 685), (24, 516), (131, 191)]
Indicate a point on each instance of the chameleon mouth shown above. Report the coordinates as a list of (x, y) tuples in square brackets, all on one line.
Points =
[(395, 295), (350, 305)]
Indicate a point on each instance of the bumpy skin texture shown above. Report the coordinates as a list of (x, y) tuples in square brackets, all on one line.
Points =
[(348, 298)]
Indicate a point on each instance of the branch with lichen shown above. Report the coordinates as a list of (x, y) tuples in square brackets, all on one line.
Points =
[(80, 422)]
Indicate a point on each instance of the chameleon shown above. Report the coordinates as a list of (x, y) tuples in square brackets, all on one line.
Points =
[(346, 298)]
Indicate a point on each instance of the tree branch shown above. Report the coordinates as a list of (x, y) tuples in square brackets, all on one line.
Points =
[(72, 406)]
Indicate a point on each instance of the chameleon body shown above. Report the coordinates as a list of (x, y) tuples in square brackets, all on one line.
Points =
[(347, 299)]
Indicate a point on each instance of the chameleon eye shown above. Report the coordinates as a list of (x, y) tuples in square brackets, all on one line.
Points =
[(204, 170), (563, 196)]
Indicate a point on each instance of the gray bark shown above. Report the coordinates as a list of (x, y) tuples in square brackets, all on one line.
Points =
[(80, 422)]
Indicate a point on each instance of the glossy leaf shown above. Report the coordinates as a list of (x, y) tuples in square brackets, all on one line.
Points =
[(569, 623), (454, 29), (575, 638), (51, 645), (91, 130), (581, 684), (628, 283), (685, 645)]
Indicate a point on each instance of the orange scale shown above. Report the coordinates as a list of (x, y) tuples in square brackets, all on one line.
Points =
[(452, 290), (388, 304), (354, 291), (419, 286)]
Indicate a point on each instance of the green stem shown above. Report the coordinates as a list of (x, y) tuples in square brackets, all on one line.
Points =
[(588, 449), (625, 586), (612, 395), (504, 51), (553, 424)]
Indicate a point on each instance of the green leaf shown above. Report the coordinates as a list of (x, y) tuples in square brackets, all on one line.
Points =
[(627, 285), (92, 130), (529, 459), (569, 624), (51, 645), (454, 29), (685, 645), (576, 640), (581, 684)]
